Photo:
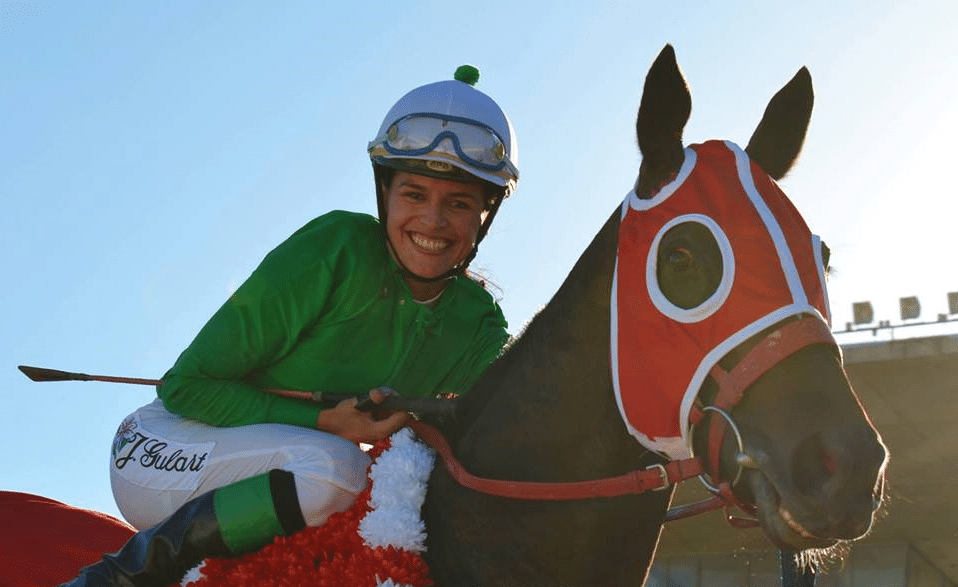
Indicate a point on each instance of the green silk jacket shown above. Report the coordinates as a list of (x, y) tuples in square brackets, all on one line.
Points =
[(328, 310)]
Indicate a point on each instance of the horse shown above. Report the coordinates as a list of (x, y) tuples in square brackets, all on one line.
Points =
[(691, 338), (807, 461)]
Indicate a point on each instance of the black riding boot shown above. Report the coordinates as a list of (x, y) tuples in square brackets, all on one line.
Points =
[(224, 522)]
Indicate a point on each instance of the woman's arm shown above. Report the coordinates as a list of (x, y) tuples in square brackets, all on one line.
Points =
[(210, 381), (260, 323)]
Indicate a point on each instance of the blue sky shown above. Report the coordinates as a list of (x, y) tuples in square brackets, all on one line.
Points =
[(152, 152)]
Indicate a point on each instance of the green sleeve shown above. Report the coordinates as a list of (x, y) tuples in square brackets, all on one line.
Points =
[(259, 324), (490, 339)]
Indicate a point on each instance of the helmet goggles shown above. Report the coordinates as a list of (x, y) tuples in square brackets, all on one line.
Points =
[(453, 138)]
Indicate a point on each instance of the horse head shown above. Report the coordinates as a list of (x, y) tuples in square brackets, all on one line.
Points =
[(729, 299)]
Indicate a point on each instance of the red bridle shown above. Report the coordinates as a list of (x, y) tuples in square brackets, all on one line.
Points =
[(780, 343)]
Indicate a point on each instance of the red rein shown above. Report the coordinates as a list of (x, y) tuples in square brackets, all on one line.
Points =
[(779, 344), (652, 478)]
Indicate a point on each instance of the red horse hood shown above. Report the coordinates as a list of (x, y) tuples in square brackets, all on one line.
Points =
[(772, 269)]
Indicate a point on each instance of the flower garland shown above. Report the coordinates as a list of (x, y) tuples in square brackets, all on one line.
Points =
[(375, 543)]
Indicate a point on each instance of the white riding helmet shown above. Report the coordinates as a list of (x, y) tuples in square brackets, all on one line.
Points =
[(445, 128)]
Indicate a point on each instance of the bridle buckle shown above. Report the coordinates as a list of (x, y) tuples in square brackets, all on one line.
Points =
[(663, 474)]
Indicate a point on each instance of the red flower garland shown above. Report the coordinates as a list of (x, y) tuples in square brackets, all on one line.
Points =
[(331, 555)]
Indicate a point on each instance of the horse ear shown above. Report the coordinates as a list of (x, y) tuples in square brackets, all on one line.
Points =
[(665, 108), (778, 139)]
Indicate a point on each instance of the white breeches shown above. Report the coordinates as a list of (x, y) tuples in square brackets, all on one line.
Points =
[(160, 461)]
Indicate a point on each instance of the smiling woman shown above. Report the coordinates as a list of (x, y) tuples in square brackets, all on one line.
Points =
[(331, 308), (432, 225), (454, 134)]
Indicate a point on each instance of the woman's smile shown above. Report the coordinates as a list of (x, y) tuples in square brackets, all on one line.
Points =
[(431, 245)]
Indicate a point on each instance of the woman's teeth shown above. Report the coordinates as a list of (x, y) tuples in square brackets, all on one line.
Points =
[(434, 245)]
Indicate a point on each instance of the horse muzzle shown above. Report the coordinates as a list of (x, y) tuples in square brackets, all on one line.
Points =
[(831, 493)]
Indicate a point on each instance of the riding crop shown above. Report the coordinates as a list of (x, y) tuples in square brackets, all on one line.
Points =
[(419, 405)]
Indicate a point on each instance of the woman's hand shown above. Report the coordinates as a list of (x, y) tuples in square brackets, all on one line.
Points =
[(360, 426)]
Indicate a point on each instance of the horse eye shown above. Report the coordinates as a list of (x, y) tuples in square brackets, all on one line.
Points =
[(681, 259), (689, 265)]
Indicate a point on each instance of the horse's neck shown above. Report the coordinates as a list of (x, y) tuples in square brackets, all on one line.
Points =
[(554, 379), (545, 412)]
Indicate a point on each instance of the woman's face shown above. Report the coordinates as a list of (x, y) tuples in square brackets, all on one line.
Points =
[(432, 224)]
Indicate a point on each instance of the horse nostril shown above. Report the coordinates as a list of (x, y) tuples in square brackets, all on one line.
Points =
[(812, 466)]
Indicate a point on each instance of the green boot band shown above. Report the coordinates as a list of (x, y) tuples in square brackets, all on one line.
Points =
[(246, 514)]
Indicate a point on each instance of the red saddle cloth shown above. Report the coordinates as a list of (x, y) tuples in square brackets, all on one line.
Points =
[(45, 542)]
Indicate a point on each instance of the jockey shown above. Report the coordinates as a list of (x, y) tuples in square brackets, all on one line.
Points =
[(217, 467)]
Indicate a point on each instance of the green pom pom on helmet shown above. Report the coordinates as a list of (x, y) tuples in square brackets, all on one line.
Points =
[(467, 74)]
